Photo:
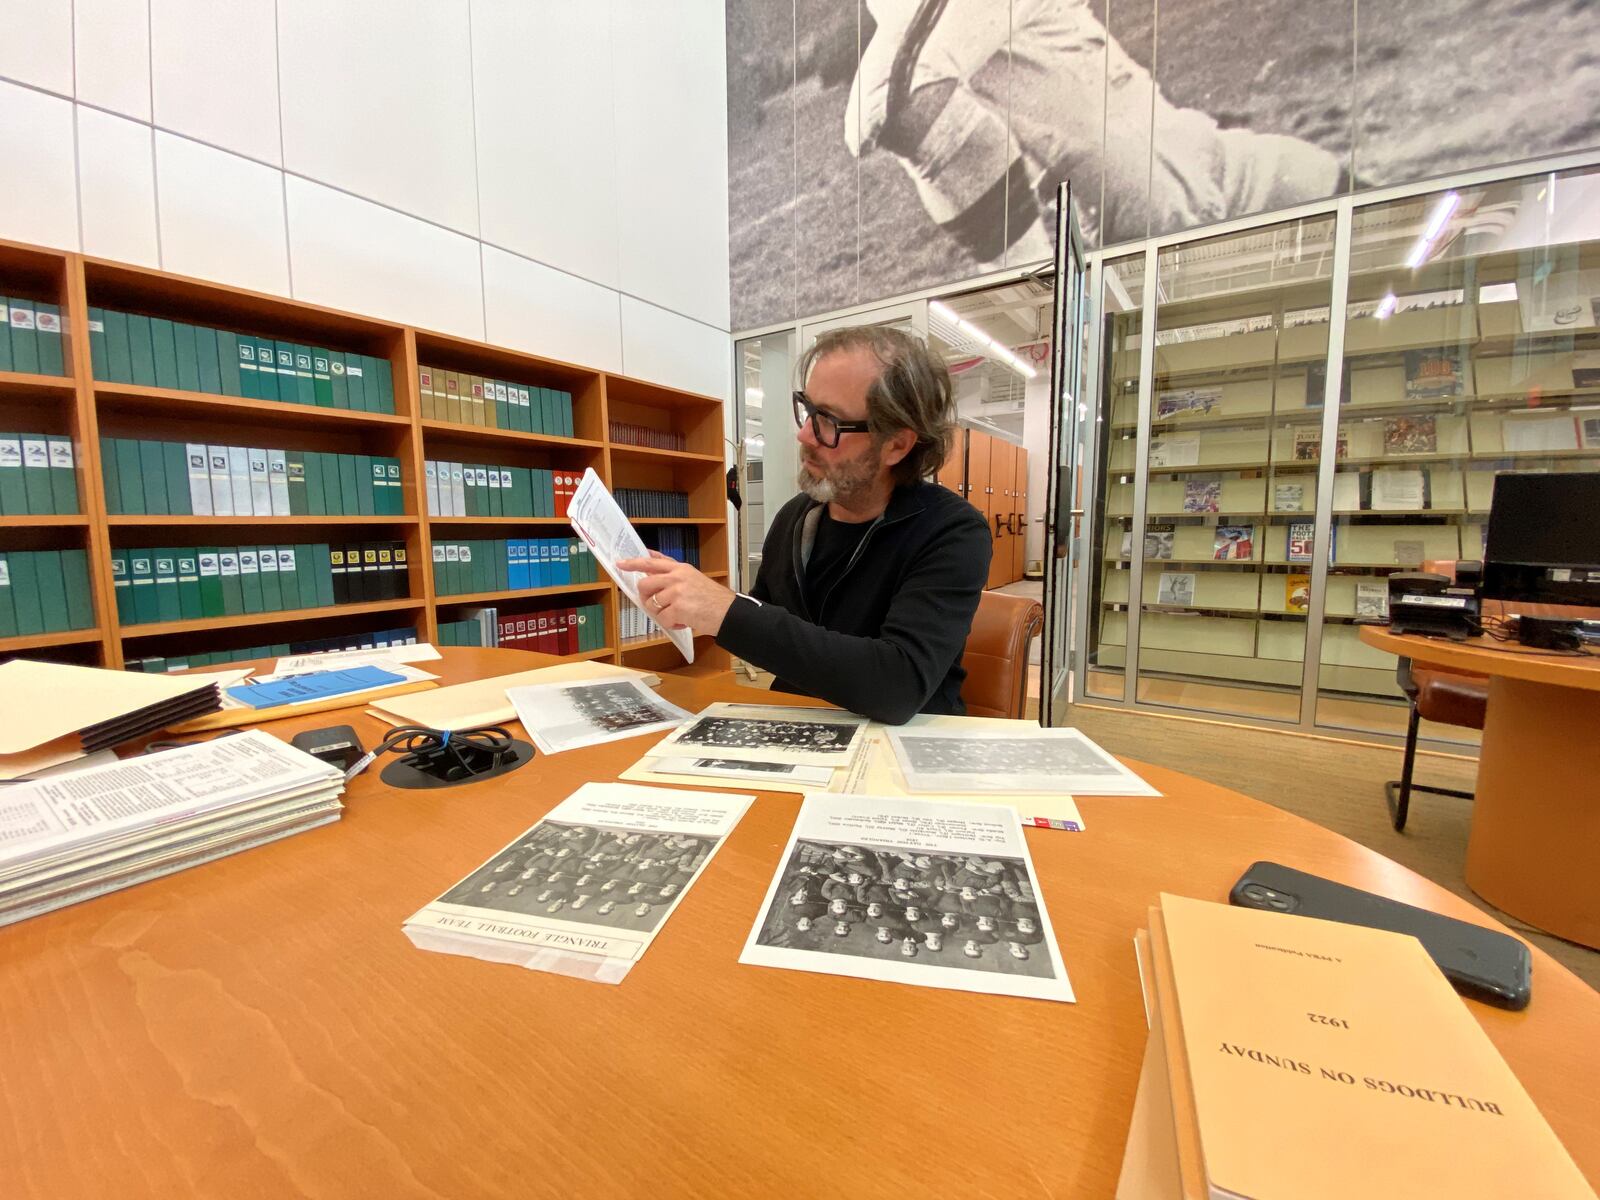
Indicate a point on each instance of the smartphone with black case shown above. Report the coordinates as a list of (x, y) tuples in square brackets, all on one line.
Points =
[(1480, 963)]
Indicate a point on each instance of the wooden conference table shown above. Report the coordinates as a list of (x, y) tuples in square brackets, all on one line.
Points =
[(1534, 849), (260, 1027)]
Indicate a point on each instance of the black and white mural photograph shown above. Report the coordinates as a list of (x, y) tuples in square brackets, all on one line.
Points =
[(881, 146)]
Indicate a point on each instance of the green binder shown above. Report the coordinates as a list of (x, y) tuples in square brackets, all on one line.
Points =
[(207, 362), (210, 581), (289, 586), (374, 493), (288, 389), (271, 588), (304, 377), (355, 377), (383, 377), (24, 337), (25, 592), (168, 605), (295, 462), (152, 468), (13, 486), (266, 369), (175, 474), (228, 576), (321, 379), (188, 356), (164, 350), (349, 485), (190, 605), (119, 351), (122, 587), (142, 577), (130, 488), (63, 475), (316, 484), (250, 580), (36, 475), (8, 608), (338, 385), (246, 370), (97, 343), (47, 325), (5, 334), (322, 557), (141, 351), (397, 491)]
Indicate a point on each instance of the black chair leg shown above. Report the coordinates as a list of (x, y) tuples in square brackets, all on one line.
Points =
[(1397, 793)]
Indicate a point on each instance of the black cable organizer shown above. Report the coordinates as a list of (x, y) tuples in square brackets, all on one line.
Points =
[(440, 758)]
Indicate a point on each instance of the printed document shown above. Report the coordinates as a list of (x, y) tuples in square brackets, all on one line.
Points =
[(1038, 760), (907, 891), (606, 530), (810, 737), (586, 890), (565, 716)]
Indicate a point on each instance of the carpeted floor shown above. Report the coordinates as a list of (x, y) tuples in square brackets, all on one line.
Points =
[(1337, 784)]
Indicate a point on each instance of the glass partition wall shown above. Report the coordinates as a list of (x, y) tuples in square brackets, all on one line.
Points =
[(1463, 338)]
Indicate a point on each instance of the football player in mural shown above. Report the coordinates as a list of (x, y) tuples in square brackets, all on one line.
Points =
[(937, 82)]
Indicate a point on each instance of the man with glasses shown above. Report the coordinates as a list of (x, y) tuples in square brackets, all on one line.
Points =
[(871, 575)]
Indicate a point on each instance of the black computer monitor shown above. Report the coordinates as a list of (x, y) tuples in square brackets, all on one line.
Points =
[(1543, 545)]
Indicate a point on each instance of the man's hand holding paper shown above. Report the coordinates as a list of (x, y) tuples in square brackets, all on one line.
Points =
[(678, 596)]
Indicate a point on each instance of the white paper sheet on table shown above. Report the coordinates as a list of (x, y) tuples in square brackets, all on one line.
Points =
[(811, 737), (1007, 757), (567, 716), (606, 530), (377, 656), (906, 891)]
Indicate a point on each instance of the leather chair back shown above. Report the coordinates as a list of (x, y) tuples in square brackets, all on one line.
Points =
[(996, 657)]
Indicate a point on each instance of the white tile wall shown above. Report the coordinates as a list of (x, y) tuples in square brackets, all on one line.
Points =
[(532, 307), (215, 70), (117, 188), (377, 100), (111, 39), (670, 89), (331, 152), (664, 347), (38, 190), (221, 216), (36, 43), (547, 177), (350, 253)]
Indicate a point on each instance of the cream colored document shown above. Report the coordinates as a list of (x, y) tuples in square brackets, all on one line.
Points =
[(484, 701)]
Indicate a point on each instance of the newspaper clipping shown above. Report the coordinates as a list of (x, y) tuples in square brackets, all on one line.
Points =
[(906, 891), (585, 891)]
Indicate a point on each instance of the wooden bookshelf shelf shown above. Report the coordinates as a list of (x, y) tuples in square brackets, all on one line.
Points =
[(124, 520), (130, 397), (66, 521), (273, 618), (650, 454), (86, 410), (450, 431), (41, 641), (541, 522), (562, 589), (16, 385)]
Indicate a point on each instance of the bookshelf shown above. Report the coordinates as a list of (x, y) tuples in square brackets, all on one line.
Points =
[(1452, 371), (371, 368)]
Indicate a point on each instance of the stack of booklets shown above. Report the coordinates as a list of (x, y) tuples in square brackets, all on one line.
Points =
[(53, 713), (73, 837), (1295, 1057)]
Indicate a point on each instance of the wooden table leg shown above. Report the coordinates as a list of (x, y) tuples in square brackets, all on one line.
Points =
[(1535, 845)]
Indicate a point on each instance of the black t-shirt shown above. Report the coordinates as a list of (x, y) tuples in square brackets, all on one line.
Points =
[(835, 542)]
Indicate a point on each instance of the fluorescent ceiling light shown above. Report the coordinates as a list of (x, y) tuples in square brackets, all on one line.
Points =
[(1497, 293), (986, 344), (1385, 307), (1441, 214)]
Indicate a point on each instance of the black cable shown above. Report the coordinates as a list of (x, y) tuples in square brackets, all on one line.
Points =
[(416, 740)]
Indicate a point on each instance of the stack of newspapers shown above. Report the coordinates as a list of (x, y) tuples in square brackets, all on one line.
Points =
[(75, 836)]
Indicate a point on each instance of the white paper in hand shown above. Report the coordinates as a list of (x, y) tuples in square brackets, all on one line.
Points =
[(606, 530)]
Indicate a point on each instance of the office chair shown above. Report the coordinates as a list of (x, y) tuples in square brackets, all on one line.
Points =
[(996, 655)]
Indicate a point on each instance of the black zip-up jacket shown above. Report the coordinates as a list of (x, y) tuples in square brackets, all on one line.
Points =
[(886, 640)]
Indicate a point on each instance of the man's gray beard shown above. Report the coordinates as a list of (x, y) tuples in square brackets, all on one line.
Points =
[(819, 489)]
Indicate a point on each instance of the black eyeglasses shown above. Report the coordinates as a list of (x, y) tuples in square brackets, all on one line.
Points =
[(825, 426)]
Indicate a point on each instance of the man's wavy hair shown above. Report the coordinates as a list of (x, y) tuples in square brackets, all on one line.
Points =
[(912, 391)]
